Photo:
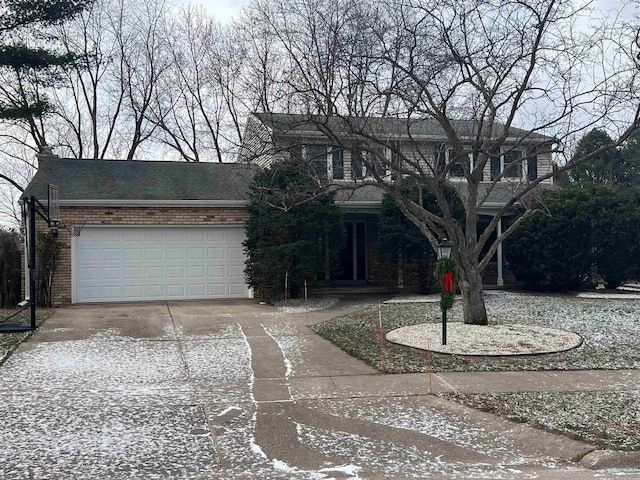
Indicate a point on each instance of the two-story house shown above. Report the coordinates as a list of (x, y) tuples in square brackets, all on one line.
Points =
[(355, 155), (158, 230)]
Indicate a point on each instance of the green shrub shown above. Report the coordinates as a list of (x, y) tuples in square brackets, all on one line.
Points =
[(291, 232), (10, 268), (586, 234)]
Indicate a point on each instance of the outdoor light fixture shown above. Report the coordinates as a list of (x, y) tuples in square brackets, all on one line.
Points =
[(444, 249)]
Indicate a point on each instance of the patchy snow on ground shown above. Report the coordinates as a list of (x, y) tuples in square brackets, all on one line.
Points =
[(463, 339), (609, 419), (71, 436), (300, 305), (432, 418), (73, 409)]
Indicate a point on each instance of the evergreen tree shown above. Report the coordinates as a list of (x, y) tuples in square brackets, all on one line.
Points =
[(590, 233), (290, 232), (613, 166), (21, 25), (401, 242)]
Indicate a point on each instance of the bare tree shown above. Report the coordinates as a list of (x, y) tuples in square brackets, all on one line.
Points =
[(479, 69)]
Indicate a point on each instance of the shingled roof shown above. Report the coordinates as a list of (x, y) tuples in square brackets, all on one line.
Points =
[(82, 179), (298, 124)]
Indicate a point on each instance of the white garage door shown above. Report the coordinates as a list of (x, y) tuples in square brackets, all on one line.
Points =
[(120, 264)]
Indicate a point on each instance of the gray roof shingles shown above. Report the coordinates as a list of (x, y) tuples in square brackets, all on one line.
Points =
[(82, 179), (296, 124)]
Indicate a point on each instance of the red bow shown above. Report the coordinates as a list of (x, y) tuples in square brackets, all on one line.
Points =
[(448, 282)]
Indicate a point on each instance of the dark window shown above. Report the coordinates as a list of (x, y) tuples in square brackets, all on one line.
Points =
[(512, 163), (296, 152), (337, 163), (317, 154), (356, 164), (456, 170)]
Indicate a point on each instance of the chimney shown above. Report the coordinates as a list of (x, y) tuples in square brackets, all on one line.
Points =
[(45, 152)]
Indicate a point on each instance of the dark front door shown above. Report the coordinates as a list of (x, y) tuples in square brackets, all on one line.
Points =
[(353, 258)]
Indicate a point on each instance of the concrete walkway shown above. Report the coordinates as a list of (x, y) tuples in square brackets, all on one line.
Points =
[(241, 390)]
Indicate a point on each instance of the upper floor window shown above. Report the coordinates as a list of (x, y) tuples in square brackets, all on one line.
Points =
[(317, 155), (328, 162), (516, 164), (445, 156)]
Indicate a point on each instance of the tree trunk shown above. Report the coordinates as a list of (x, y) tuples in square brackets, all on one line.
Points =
[(470, 280)]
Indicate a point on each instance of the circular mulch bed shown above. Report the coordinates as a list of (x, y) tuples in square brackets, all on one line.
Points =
[(486, 340)]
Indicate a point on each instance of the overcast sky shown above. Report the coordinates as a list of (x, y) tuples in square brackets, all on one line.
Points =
[(223, 10)]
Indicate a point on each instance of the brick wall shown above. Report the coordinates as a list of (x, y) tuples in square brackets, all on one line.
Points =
[(129, 216)]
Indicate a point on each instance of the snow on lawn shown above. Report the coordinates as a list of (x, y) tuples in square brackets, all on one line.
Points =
[(463, 339), (608, 419), (610, 330)]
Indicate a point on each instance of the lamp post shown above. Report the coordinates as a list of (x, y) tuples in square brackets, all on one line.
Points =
[(444, 249), (444, 252)]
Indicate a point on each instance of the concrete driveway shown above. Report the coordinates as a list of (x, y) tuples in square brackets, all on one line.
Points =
[(240, 390)]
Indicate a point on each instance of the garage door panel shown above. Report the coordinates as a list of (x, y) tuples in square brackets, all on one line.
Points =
[(196, 235), (235, 235), (216, 253), (176, 291), (154, 291), (236, 271), (217, 290), (153, 254), (90, 254), (133, 273), (109, 254), (196, 253), (133, 254), (153, 273), (133, 292), (236, 289), (195, 272), (148, 235), (216, 236), (176, 235), (175, 253), (111, 235), (152, 263), (216, 271), (175, 272), (88, 274), (112, 273), (196, 290)]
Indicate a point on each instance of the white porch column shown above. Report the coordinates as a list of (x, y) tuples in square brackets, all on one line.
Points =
[(499, 255)]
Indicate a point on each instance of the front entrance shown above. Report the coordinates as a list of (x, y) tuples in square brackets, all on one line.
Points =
[(353, 258)]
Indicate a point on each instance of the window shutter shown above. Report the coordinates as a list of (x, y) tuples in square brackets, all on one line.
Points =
[(495, 166), (337, 163), (356, 164), (532, 165)]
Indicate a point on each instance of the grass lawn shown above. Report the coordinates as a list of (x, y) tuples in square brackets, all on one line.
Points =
[(610, 329), (10, 341), (607, 419)]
